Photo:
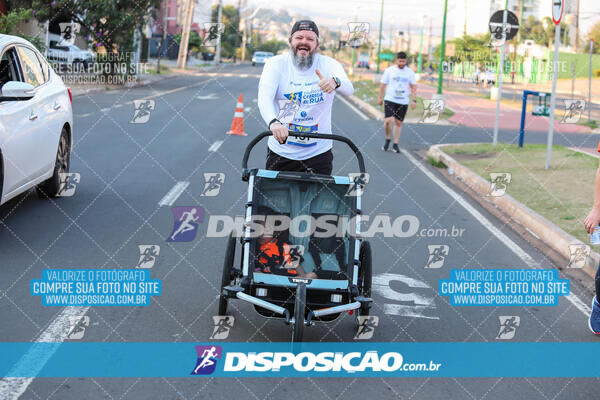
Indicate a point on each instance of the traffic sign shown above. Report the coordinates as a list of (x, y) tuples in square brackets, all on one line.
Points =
[(498, 28), (558, 7)]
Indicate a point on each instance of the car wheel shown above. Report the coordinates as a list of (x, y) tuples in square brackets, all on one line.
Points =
[(51, 186)]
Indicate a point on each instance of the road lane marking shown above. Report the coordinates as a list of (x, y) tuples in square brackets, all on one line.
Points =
[(173, 194), (211, 96), (508, 242), (420, 302), (356, 110), (34, 360), (215, 146)]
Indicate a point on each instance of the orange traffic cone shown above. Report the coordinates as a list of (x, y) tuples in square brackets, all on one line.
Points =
[(237, 127)]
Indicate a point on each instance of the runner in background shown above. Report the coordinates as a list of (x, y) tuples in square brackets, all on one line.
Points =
[(397, 83)]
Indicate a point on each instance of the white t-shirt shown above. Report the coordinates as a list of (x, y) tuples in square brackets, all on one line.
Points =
[(294, 97), (398, 83)]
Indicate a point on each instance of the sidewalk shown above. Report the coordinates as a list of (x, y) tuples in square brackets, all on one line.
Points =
[(477, 112)]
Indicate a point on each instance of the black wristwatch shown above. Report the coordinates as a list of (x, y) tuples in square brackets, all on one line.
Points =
[(273, 121), (338, 83)]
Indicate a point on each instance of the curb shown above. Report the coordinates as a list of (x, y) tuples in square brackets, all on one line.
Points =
[(377, 114), (550, 234)]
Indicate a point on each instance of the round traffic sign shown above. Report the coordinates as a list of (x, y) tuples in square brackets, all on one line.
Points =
[(499, 29), (558, 7)]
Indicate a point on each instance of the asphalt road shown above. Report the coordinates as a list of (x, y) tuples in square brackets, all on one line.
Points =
[(126, 169)]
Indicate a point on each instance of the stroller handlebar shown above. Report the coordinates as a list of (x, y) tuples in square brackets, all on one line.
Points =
[(314, 135)]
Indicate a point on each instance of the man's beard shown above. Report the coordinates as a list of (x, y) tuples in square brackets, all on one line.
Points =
[(303, 62)]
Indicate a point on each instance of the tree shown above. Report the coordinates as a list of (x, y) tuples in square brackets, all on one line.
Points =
[(107, 23), (232, 37), (272, 45), (10, 20), (594, 34), (194, 44), (541, 32)]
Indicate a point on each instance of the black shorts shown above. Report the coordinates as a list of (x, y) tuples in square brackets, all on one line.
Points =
[(395, 110), (319, 164)]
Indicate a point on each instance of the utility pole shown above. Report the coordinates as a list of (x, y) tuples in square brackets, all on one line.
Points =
[(219, 20), (165, 14), (185, 34), (589, 104), (577, 27), (235, 39), (420, 65), (443, 49), (379, 44), (430, 39)]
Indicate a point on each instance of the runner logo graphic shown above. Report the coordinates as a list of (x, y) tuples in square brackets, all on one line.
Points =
[(357, 187), (357, 33), (68, 183), (68, 30), (185, 224), (142, 110), (214, 30), (223, 325), (508, 327), (573, 110), (437, 255), (432, 109), (498, 37), (498, 183), (148, 255), (77, 325), (366, 327), (207, 359), (287, 110), (212, 183), (579, 255)]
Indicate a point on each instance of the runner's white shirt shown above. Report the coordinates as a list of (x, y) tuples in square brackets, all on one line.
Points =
[(397, 81), (294, 97)]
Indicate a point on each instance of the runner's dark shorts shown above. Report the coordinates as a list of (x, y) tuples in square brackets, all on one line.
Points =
[(395, 110), (319, 164)]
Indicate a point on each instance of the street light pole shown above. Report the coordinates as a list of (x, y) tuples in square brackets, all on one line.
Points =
[(443, 49), (380, 28), (499, 80), (420, 66), (553, 97)]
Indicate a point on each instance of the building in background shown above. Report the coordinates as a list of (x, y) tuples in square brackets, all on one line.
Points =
[(172, 13)]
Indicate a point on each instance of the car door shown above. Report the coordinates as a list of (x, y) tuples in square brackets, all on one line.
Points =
[(46, 115), (16, 128)]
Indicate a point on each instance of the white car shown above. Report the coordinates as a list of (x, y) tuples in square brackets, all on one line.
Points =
[(69, 54), (36, 121), (260, 57)]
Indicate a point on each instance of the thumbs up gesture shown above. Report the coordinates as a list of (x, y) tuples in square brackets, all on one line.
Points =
[(325, 84)]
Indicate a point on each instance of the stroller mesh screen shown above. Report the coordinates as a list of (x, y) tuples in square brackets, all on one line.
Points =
[(325, 202)]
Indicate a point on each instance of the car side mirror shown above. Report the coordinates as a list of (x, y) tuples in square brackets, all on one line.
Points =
[(16, 91)]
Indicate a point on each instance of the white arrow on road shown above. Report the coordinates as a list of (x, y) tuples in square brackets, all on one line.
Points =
[(212, 96)]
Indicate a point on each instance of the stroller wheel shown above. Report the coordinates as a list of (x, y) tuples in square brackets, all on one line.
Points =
[(226, 276), (365, 275), (299, 308)]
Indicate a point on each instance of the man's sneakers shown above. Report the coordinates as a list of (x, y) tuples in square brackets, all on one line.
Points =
[(594, 322), (386, 145)]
